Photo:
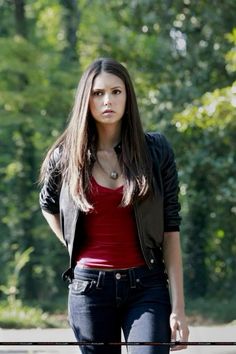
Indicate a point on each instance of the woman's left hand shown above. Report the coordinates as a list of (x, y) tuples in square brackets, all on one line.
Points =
[(179, 330)]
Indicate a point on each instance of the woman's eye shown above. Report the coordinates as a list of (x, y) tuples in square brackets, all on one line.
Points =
[(97, 93), (117, 92)]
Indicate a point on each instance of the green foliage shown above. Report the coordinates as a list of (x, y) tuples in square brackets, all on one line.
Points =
[(208, 130), (19, 316), (22, 316), (34, 111), (209, 310), (11, 289), (231, 54), (175, 52), (181, 56), (215, 111)]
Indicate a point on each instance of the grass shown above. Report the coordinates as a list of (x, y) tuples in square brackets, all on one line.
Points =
[(17, 315), (209, 311), (201, 311)]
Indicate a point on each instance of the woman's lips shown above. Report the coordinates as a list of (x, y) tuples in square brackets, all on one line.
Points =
[(107, 112)]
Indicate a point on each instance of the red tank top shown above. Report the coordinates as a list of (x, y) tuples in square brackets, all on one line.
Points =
[(110, 232)]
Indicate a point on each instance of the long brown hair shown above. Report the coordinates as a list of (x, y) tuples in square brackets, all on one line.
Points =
[(78, 141)]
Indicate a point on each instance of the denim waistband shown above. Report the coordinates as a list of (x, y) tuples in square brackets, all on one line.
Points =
[(133, 274)]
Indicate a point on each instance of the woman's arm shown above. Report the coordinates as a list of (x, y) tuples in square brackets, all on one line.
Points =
[(53, 221), (173, 263)]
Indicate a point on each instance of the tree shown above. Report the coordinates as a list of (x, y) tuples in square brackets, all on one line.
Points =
[(208, 130), (71, 20), (21, 28), (175, 52), (30, 101)]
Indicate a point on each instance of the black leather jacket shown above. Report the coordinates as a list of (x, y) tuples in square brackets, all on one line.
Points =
[(154, 215)]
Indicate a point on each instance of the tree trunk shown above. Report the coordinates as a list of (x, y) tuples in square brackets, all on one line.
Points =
[(20, 20), (196, 270), (71, 20), (26, 181)]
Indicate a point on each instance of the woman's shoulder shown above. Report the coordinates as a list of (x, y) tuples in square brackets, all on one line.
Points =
[(56, 155), (159, 147), (156, 139), (52, 164)]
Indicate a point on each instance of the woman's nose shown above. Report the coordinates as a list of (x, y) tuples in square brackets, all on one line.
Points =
[(107, 99)]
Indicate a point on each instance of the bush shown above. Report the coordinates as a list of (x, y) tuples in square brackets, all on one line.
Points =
[(209, 311), (17, 315)]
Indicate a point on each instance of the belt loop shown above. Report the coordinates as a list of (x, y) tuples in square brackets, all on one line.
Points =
[(132, 278), (101, 279)]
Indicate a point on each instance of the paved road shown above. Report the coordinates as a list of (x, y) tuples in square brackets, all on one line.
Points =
[(201, 334)]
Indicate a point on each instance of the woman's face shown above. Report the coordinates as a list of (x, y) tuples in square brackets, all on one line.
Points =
[(108, 99)]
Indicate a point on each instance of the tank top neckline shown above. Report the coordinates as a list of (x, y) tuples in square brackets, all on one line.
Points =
[(106, 188)]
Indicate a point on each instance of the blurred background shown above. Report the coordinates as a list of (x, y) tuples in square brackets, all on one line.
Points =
[(182, 58)]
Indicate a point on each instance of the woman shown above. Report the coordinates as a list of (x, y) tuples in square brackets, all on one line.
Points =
[(110, 194)]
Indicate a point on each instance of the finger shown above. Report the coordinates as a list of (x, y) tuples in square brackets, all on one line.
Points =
[(173, 332), (178, 347), (184, 334), (173, 327)]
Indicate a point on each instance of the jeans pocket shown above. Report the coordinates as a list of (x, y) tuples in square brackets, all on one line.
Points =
[(82, 287)]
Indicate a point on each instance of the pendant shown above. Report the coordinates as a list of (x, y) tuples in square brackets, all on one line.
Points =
[(114, 175)]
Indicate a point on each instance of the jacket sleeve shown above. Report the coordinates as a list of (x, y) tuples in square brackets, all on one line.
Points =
[(170, 182), (50, 191)]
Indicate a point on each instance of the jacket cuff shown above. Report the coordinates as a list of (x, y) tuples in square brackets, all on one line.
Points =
[(50, 211), (172, 228)]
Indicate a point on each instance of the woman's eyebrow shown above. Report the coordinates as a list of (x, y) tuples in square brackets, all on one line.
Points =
[(102, 89), (116, 87)]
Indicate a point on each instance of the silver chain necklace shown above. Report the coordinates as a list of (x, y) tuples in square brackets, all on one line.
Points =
[(113, 174)]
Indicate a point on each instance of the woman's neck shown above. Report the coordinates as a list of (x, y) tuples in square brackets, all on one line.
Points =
[(108, 138)]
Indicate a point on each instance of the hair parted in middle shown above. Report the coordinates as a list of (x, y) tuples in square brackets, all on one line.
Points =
[(79, 141)]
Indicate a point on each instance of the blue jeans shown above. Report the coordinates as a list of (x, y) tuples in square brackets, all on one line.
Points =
[(136, 300)]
